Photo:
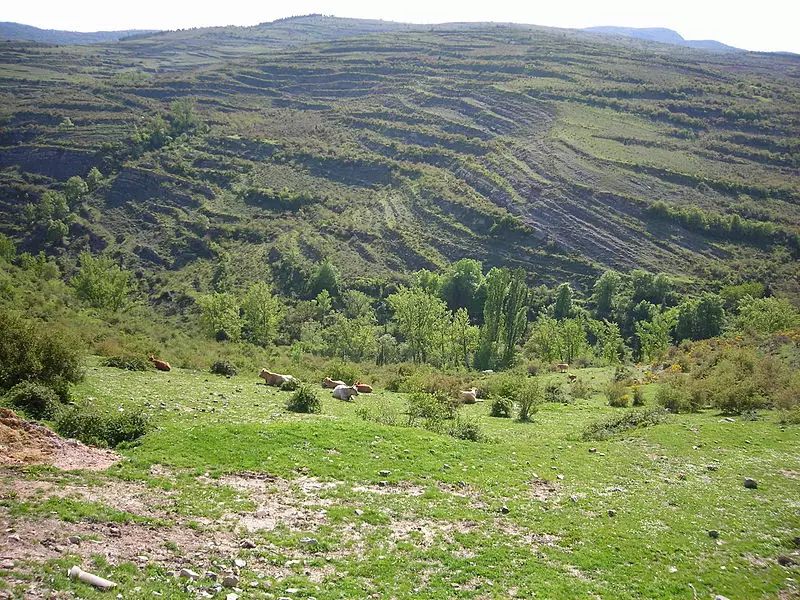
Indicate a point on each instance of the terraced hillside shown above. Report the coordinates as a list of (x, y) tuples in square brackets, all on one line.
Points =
[(563, 152)]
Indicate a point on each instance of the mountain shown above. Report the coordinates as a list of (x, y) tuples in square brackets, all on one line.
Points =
[(664, 36), (17, 31), (227, 153)]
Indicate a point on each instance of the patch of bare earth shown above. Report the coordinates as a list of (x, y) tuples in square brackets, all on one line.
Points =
[(26, 443)]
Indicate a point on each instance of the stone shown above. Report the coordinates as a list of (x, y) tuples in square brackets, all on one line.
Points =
[(7, 563), (232, 597), (74, 539), (309, 540), (720, 597), (230, 581), (592, 449), (189, 574), (504, 509), (712, 467), (114, 532), (383, 484), (713, 533), (384, 473), (750, 484), (250, 544), (359, 512), (14, 537), (210, 575), (785, 561), (611, 512), (559, 476), (239, 562)]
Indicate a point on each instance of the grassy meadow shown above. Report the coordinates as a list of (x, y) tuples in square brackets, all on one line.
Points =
[(334, 506)]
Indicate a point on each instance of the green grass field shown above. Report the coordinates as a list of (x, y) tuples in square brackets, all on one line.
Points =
[(338, 507)]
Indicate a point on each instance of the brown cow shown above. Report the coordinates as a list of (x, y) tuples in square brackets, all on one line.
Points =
[(161, 365), (562, 367), (331, 383), (362, 388), (274, 379)]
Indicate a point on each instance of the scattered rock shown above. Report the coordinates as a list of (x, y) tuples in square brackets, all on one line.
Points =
[(114, 531), (712, 467), (573, 498), (673, 569), (239, 562), (249, 544), (232, 597), (504, 509), (611, 512), (559, 476), (713, 533), (189, 574), (750, 484), (230, 581), (383, 483), (384, 473), (7, 563), (786, 561), (74, 539), (210, 575), (592, 449), (720, 597), (309, 541), (359, 512)]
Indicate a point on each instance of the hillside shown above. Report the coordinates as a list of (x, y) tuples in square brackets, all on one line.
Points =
[(562, 152), (663, 35), (18, 31)]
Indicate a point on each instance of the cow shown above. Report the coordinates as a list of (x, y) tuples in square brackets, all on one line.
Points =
[(344, 392), (562, 367), (468, 396), (331, 383), (362, 388), (161, 365), (274, 379)]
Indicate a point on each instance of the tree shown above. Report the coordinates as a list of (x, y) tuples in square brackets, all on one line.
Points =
[(352, 339), (654, 338), (93, 179), (609, 344), (325, 278), (427, 281), (496, 285), (418, 315), (701, 318), (562, 307), (573, 340), (357, 304), (262, 314), (464, 338), (183, 115), (515, 316), (56, 231), (7, 249), (766, 315), (100, 282), (52, 205), (219, 315), (75, 189), (545, 340), (460, 282), (603, 294)]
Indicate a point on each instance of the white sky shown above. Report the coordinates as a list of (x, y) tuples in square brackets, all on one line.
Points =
[(768, 25)]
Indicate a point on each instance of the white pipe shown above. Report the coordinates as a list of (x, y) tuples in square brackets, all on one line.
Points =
[(77, 573)]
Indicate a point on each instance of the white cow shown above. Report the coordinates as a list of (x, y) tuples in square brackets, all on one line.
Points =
[(468, 396), (344, 392)]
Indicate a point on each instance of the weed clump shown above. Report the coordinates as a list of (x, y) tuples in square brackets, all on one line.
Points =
[(553, 392), (304, 400), (502, 407), (290, 385), (467, 429), (638, 396), (223, 367), (128, 363), (632, 419), (530, 396), (90, 426), (430, 410), (580, 389), (379, 412), (36, 400), (676, 398)]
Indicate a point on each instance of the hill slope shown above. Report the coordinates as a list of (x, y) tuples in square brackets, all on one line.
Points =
[(549, 149), (17, 31), (663, 35)]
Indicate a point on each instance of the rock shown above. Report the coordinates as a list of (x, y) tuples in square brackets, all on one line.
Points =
[(309, 540), (189, 574), (720, 597), (239, 562), (673, 569), (359, 512), (230, 581), (384, 473), (7, 563), (249, 544), (14, 537), (383, 484), (210, 575), (232, 597), (592, 449), (573, 498), (713, 533), (114, 532), (74, 539), (559, 476), (750, 484), (785, 561), (611, 512), (292, 590), (504, 509), (712, 467)]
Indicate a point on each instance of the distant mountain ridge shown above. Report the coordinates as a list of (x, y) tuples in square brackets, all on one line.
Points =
[(18, 31), (664, 36)]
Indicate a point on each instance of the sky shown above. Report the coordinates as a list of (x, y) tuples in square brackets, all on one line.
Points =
[(767, 25)]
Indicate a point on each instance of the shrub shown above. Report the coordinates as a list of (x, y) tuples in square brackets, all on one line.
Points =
[(430, 410), (616, 393), (638, 396), (580, 389), (675, 398), (529, 399), (290, 385), (554, 392), (129, 363), (630, 419), (38, 401), (223, 367), (432, 381), (92, 427), (502, 407), (623, 374), (46, 355), (379, 412), (504, 385), (304, 400), (347, 372), (467, 429)]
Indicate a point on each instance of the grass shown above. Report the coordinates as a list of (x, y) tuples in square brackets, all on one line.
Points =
[(435, 526)]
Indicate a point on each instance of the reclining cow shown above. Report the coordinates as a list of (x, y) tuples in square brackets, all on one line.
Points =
[(274, 379), (344, 392)]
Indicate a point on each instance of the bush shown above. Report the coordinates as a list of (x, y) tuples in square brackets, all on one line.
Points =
[(304, 400), (347, 372), (467, 429), (432, 381), (44, 354), (379, 412), (616, 393), (623, 374), (92, 427), (502, 407), (554, 392), (638, 396), (129, 363), (504, 385), (430, 410), (675, 398), (37, 401), (290, 385), (580, 389), (529, 398), (223, 367), (631, 419)]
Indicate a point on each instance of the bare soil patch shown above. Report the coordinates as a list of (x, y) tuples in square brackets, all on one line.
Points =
[(26, 443)]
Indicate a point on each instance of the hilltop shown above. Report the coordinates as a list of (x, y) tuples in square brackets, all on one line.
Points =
[(388, 151), (663, 35), (18, 31)]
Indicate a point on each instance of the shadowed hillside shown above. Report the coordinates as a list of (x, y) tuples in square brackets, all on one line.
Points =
[(553, 150)]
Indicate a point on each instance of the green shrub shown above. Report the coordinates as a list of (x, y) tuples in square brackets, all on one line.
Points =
[(580, 389), (675, 398), (467, 429), (638, 396), (502, 407), (304, 400), (223, 367), (44, 354), (36, 400), (623, 374), (432, 381), (90, 426), (342, 371), (554, 392), (618, 424), (430, 410), (616, 393), (290, 385), (129, 363), (529, 398), (379, 412), (504, 385)]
